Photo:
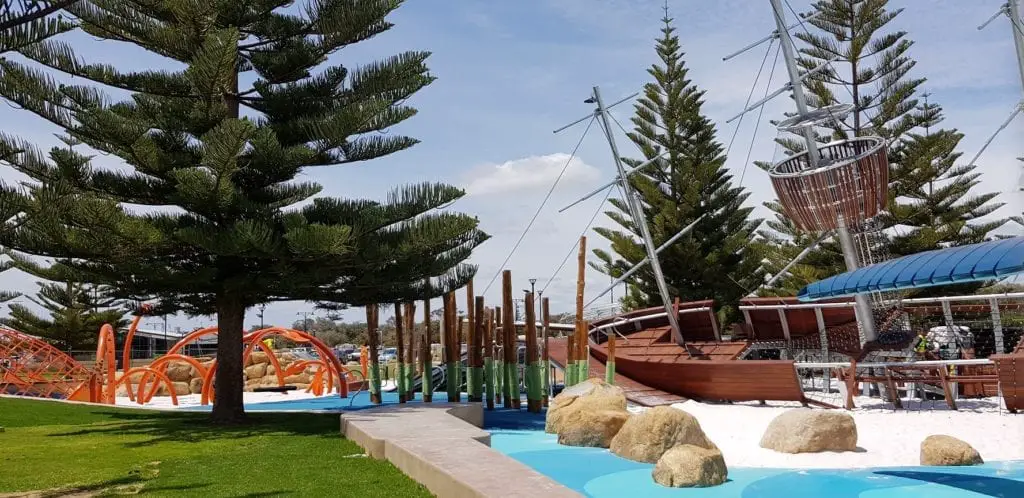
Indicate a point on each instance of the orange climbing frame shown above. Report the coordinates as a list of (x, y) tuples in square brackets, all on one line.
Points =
[(29, 366)]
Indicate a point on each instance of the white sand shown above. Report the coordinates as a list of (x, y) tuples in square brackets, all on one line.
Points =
[(191, 400), (886, 437)]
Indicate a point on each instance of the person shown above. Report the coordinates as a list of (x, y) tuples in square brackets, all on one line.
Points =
[(921, 345), (364, 359)]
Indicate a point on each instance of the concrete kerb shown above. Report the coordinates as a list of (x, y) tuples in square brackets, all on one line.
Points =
[(442, 446)]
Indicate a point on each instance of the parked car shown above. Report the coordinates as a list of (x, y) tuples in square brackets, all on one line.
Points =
[(389, 354)]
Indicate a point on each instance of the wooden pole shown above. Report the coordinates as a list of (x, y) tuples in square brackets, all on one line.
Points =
[(400, 376), (410, 350), (509, 337), (476, 352), (499, 356), (488, 333), (427, 372), (545, 312), (570, 361), (373, 343), (534, 377), (582, 359), (451, 346), (609, 365)]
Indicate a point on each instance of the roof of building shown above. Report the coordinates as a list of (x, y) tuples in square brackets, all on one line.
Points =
[(970, 263)]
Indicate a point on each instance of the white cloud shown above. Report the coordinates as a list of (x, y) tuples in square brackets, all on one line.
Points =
[(529, 173)]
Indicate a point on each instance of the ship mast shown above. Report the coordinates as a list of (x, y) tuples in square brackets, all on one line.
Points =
[(804, 122), (1010, 9)]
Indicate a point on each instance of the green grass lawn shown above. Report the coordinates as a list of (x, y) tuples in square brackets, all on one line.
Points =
[(96, 450)]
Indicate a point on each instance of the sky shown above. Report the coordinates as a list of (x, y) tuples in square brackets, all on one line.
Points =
[(509, 73)]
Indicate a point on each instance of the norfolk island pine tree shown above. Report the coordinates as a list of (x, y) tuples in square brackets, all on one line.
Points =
[(236, 237), (711, 261), (74, 314)]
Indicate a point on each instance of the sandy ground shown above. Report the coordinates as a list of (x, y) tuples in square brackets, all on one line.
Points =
[(885, 437)]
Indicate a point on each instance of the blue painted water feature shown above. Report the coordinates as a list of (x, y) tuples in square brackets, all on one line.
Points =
[(598, 473), (329, 403)]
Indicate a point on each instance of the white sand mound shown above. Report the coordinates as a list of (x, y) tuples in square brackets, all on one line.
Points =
[(886, 437)]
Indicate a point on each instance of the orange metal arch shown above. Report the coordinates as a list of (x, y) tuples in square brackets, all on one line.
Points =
[(106, 367), (126, 355), (162, 362), (146, 372), (251, 339)]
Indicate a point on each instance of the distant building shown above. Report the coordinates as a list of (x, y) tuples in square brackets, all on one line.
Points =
[(149, 343)]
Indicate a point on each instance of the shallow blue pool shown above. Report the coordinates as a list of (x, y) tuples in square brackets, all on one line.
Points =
[(598, 473), (329, 403)]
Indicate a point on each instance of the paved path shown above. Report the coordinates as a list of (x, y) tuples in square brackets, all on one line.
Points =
[(442, 446)]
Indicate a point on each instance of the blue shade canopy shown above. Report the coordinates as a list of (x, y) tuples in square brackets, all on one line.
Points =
[(987, 260)]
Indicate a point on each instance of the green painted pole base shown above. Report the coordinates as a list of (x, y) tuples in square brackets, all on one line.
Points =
[(452, 381), (410, 375), (609, 372), (499, 380), (428, 382), (400, 382), (534, 386), (374, 374), (475, 384), (489, 382)]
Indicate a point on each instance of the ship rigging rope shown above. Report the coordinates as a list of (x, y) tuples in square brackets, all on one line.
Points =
[(542, 204), (760, 112), (597, 211), (750, 95)]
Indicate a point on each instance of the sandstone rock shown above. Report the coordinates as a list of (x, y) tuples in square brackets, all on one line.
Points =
[(256, 371), (257, 357), (803, 430), (647, 436), (687, 466), (179, 372), (195, 386), (592, 428), (181, 388), (592, 395), (947, 450), (296, 379)]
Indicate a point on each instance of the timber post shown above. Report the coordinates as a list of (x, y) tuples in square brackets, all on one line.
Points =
[(534, 377), (426, 377), (499, 357), (373, 344), (508, 328), (488, 334), (582, 359), (609, 365), (410, 351), (451, 347), (545, 312), (476, 359), (400, 376)]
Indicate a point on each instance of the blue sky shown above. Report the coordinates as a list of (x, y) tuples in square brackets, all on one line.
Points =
[(511, 72)]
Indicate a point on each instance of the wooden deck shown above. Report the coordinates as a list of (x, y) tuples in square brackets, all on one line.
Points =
[(635, 391)]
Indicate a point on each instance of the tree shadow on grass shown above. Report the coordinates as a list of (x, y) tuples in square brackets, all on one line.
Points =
[(110, 485), (196, 427)]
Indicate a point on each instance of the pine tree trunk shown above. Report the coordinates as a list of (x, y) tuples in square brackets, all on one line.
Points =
[(227, 404)]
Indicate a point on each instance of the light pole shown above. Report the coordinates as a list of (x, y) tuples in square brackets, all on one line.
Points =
[(305, 325), (262, 307)]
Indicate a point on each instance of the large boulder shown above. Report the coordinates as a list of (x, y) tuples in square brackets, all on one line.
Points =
[(647, 436), (179, 372), (592, 395), (256, 371), (195, 386), (804, 430), (592, 428), (257, 357), (947, 450), (688, 466), (301, 378)]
